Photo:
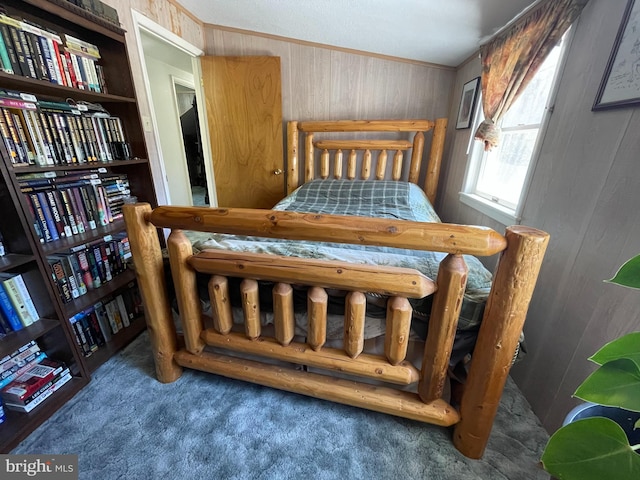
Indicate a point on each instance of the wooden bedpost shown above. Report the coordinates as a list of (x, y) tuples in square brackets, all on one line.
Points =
[(435, 159), (145, 249), (184, 281), (293, 179), (500, 330)]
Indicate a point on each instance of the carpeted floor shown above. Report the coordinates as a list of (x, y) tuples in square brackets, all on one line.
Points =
[(127, 425)]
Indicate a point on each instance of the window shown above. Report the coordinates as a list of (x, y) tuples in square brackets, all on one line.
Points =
[(496, 181)]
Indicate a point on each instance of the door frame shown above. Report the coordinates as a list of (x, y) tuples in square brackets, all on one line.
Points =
[(143, 23)]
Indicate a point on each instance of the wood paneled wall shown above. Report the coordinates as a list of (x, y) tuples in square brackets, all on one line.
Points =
[(584, 192), (329, 84)]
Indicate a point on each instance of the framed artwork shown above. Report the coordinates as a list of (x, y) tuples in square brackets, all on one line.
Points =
[(620, 86), (467, 103)]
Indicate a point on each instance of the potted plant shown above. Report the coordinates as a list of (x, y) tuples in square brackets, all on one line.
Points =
[(598, 447)]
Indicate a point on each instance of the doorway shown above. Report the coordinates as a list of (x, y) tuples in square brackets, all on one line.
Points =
[(187, 106), (170, 66)]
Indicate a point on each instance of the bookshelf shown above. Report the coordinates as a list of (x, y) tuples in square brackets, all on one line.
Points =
[(29, 251)]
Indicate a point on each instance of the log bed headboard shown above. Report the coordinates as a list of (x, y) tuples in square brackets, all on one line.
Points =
[(307, 134)]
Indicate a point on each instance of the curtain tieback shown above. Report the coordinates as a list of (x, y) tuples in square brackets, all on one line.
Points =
[(489, 133)]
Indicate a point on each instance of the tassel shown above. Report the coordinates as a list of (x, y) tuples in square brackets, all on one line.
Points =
[(489, 133)]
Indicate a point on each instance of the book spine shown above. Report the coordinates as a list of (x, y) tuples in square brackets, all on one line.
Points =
[(26, 296), (41, 398), (78, 208), (42, 198), (103, 321), (18, 356), (40, 217), (56, 214), (32, 360), (124, 315), (26, 141), (21, 156), (18, 302), (60, 279), (11, 51), (7, 66), (9, 311)]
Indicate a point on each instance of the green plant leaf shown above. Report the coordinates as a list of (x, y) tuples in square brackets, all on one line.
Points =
[(591, 449), (627, 346), (614, 384), (629, 273)]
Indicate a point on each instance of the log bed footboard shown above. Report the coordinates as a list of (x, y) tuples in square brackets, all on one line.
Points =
[(522, 251)]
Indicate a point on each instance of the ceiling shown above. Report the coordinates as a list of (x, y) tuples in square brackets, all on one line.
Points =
[(435, 31)]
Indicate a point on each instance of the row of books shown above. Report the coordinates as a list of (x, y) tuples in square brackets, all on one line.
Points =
[(58, 133), (17, 309), (28, 377), (31, 50), (95, 326), (89, 266), (65, 204)]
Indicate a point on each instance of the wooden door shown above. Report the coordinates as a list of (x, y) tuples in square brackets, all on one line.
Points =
[(244, 113)]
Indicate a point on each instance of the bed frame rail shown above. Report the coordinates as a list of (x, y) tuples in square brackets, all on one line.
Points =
[(522, 251)]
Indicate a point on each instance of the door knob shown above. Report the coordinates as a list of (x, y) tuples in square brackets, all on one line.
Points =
[(278, 172)]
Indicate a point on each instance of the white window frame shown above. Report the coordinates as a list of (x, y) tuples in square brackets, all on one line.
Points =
[(475, 155)]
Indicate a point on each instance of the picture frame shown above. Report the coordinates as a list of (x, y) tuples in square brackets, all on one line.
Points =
[(467, 103), (620, 85)]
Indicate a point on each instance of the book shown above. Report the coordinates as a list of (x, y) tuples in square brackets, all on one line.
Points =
[(23, 280), (81, 337), (103, 321), (11, 52), (113, 315), (42, 397), (60, 279), (32, 397), (48, 216), (12, 285), (18, 355), (7, 66), (69, 274), (40, 219), (31, 381), (124, 316), (9, 375), (9, 311)]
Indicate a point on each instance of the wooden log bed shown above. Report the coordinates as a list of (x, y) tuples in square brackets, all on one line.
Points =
[(385, 381)]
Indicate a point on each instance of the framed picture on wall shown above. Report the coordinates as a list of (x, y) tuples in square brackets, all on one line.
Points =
[(467, 103), (620, 86)]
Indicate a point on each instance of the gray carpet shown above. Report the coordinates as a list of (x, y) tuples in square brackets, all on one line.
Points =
[(125, 424)]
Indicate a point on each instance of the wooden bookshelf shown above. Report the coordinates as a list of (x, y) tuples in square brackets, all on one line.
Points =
[(27, 247)]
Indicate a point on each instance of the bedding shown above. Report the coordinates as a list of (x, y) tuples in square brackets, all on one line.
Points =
[(379, 199)]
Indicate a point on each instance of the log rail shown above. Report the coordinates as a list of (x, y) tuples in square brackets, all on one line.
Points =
[(521, 251), (365, 151)]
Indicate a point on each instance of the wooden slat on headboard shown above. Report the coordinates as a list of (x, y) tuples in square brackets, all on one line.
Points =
[(387, 149)]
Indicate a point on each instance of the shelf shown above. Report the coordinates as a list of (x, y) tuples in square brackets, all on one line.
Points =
[(72, 13), (93, 296), (14, 260), (40, 87), (29, 255), (15, 340), (82, 238), (18, 425), (119, 340), (81, 166)]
